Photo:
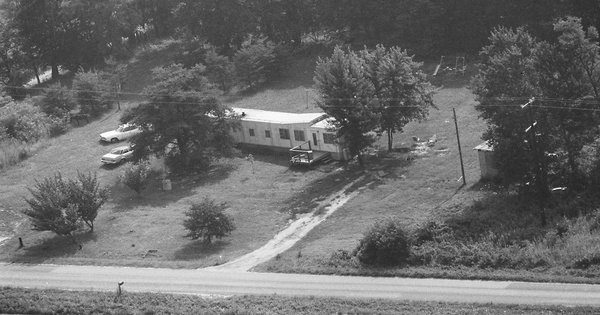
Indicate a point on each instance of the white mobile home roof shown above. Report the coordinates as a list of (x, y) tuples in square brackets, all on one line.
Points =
[(324, 124), (249, 114)]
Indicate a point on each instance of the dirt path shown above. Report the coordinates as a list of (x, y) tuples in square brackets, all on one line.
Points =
[(285, 239)]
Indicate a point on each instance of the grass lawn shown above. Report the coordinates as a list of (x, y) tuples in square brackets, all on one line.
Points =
[(148, 231)]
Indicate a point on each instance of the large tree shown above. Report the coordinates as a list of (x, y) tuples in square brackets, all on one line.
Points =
[(348, 97), (379, 90), (403, 91), (540, 143), (71, 34), (183, 119), (223, 23), (60, 205)]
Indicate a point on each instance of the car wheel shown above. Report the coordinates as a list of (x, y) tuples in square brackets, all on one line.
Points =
[(113, 140)]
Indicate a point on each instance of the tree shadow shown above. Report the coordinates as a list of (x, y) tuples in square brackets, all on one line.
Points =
[(56, 246), (158, 195), (198, 250)]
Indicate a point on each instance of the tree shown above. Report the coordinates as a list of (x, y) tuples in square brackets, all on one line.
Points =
[(540, 143), (403, 91), (348, 97), (507, 79), (375, 90), (219, 70), (222, 23), (255, 62), (182, 120), (88, 196), (207, 220), (135, 176), (60, 205), (569, 70), (51, 207), (44, 28), (97, 27)]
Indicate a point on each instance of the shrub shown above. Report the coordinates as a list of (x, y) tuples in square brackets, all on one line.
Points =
[(13, 152), (93, 93), (432, 231), (23, 122), (135, 176), (384, 244), (57, 101), (207, 220), (58, 126)]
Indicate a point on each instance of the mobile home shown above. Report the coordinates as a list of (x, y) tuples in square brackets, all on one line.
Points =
[(302, 133)]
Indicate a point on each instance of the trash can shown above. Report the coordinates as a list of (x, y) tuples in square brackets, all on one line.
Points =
[(166, 184)]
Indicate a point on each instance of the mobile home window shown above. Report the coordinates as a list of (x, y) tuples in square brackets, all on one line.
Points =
[(251, 132), (299, 135), (267, 133), (284, 134), (329, 138)]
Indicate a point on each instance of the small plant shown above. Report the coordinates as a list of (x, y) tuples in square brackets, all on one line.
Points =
[(384, 244), (207, 220)]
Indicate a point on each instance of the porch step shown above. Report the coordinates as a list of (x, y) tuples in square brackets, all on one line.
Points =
[(327, 159)]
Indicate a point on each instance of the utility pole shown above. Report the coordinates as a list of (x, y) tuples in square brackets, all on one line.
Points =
[(462, 166), (118, 92), (540, 169)]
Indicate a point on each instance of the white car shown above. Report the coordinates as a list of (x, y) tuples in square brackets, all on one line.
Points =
[(123, 132), (118, 155)]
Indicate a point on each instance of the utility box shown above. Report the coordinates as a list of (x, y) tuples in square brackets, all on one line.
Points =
[(487, 161)]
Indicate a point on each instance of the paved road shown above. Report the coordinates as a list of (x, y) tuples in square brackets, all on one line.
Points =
[(211, 282)]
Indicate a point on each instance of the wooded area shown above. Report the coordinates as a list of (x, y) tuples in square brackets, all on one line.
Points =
[(35, 34)]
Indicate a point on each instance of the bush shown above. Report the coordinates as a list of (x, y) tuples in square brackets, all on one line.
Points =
[(135, 176), (384, 244), (57, 101), (23, 122), (13, 152), (207, 220), (93, 93)]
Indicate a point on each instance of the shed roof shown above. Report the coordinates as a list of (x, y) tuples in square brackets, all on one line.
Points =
[(486, 146), (249, 114)]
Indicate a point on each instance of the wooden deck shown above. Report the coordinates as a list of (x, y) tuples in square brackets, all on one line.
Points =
[(308, 157)]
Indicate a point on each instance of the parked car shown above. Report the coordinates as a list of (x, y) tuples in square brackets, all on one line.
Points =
[(118, 155), (125, 131)]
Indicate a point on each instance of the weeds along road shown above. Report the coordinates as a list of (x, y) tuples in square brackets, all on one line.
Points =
[(225, 283)]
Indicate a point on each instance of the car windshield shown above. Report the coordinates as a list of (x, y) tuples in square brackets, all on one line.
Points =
[(115, 151)]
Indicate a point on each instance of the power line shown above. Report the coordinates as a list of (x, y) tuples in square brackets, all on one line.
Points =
[(229, 97)]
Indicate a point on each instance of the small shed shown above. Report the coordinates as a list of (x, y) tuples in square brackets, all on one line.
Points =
[(487, 162)]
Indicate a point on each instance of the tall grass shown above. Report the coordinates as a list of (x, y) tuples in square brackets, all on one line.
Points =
[(573, 244), (578, 247), (34, 301), (13, 151)]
